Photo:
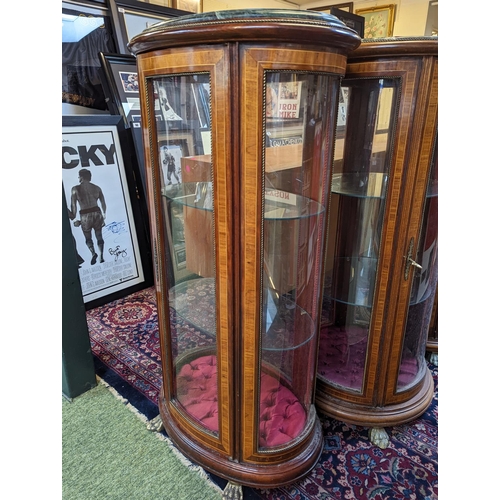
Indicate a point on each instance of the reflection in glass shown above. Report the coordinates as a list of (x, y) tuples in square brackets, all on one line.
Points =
[(423, 287), (299, 119), (136, 22), (185, 173), (358, 191)]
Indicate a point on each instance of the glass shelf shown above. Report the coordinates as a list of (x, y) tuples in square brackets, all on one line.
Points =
[(279, 205), (194, 301), (287, 326), (371, 185), (358, 288)]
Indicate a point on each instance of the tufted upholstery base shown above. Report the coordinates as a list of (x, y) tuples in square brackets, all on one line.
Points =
[(282, 416), (342, 357)]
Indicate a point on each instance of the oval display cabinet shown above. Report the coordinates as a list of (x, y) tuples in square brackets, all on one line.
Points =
[(381, 264), (238, 115)]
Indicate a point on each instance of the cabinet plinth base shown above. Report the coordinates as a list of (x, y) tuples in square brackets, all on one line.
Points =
[(369, 416), (286, 469)]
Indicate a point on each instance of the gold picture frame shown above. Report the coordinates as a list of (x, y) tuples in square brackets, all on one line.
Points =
[(194, 6), (379, 21)]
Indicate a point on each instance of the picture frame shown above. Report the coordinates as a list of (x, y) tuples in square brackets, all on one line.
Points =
[(116, 260), (379, 21), (346, 7), (131, 17), (125, 102), (122, 101), (194, 6), (84, 25), (353, 21), (179, 145)]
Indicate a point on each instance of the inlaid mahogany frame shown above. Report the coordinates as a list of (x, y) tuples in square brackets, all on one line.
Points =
[(237, 438), (237, 58)]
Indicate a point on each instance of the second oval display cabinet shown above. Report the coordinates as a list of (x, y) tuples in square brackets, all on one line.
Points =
[(238, 115), (381, 267)]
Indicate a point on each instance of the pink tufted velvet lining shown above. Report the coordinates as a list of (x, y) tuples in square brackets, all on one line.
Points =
[(282, 417), (342, 358)]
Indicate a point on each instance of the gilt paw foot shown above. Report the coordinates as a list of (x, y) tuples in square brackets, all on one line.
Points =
[(232, 491), (379, 437), (155, 424), (433, 358)]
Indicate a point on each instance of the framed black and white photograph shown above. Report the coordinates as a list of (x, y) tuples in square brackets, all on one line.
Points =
[(132, 17), (121, 86), (170, 161), (173, 149), (108, 223)]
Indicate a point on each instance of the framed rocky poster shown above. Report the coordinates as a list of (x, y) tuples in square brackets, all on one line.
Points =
[(108, 222)]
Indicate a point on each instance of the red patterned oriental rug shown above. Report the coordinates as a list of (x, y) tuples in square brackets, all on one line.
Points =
[(125, 343)]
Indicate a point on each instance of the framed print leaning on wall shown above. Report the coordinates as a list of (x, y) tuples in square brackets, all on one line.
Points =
[(379, 21), (110, 232), (353, 21), (195, 6), (120, 85), (131, 17), (121, 88), (345, 7)]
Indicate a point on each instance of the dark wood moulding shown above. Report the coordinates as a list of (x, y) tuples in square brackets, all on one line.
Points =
[(263, 25)]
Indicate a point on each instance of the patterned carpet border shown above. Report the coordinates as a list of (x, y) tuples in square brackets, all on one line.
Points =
[(125, 343)]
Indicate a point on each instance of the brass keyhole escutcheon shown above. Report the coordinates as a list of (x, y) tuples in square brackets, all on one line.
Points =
[(409, 260)]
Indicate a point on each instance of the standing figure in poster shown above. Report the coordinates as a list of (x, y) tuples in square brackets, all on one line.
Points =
[(87, 194), (169, 160)]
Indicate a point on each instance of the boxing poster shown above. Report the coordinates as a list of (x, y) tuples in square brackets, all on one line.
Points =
[(100, 211)]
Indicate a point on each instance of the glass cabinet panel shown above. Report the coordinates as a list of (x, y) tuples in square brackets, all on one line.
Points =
[(299, 118), (182, 109), (365, 125), (423, 287)]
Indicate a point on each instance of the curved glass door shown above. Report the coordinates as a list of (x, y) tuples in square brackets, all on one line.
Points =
[(182, 110), (299, 123), (365, 125), (423, 287)]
